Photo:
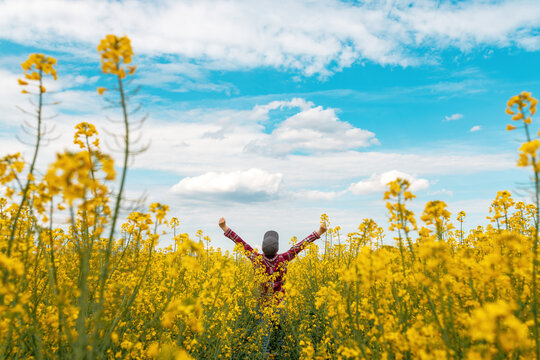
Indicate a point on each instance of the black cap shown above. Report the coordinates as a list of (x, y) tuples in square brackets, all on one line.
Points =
[(270, 245)]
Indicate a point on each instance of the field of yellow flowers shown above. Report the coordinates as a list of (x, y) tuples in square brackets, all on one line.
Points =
[(98, 289)]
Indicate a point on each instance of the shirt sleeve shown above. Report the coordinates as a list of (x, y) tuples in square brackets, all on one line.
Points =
[(237, 239), (293, 251)]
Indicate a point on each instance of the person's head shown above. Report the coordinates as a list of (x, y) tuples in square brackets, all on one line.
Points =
[(270, 245)]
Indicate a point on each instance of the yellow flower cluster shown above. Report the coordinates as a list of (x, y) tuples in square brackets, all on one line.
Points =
[(496, 324), (527, 154), (528, 150), (400, 218), (10, 166), (35, 67), (517, 107), (160, 210), (115, 52), (85, 130), (436, 214), (71, 175), (37, 64), (439, 298)]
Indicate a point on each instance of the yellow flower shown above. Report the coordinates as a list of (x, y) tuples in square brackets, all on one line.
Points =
[(522, 101), (38, 64), (510, 127), (174, 222), (116, 51), (182, 355), (33, 76), (153, 350), (517, 117), (530, 147), (22, 82), (114, 337), (101, 90), (108, 167), (84, 129), (532, 108)]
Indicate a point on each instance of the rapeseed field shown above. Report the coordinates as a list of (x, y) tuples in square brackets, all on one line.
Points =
[(102, 289)]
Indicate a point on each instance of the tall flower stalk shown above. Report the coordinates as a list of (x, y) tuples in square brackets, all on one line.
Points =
[(116, 53), (522, 107), (35, 68)]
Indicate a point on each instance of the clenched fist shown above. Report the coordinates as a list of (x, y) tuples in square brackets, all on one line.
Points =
[(322, 229), (222, 224)]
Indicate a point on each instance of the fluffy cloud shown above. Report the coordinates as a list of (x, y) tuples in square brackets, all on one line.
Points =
[(313, 37), (11, 96), (476, 128), (261, 111), (214, 139), (378, 183), (254, 183), (453, 117), (312, 129)]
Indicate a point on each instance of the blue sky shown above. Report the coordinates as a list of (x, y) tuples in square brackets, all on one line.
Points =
[(271, 113)]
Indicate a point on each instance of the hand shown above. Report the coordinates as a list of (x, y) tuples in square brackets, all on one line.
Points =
[(322, 229), (223, 225)]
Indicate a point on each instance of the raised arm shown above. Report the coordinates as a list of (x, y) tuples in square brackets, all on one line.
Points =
[(293, 251), (237, 239)]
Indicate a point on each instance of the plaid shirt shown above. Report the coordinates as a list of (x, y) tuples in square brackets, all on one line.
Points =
[(275, 267)]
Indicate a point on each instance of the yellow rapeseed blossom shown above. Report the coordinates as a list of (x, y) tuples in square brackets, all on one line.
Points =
[(36, 65), (528, 153), (115, 52), (520, 103), (85, 130), (160, 211)]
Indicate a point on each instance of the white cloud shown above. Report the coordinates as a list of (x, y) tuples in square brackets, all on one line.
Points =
[(317, 194), (453, 117), (208, 139), (312, 129), (11, 96), (179, 77), (252, 182), (378, 183), (467, 25), (442, 192), (313, 37), (197, 141), (476, 128), (194, 142), (530, 43), (261, 111)]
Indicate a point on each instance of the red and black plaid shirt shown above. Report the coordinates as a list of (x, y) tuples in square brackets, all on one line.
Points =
[(275, 267)]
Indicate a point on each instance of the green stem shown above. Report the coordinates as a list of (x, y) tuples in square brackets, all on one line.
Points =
[(119, 195), (32, 165), (535, 248)]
